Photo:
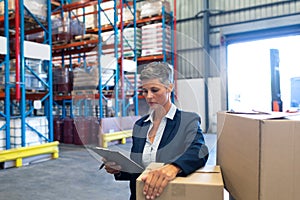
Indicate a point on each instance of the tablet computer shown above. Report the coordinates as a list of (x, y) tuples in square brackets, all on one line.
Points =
[(126, 163)]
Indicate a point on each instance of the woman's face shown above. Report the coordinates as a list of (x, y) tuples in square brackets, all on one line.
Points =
[(156, 94)]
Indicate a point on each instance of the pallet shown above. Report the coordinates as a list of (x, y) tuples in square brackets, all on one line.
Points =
[(120, 135), (34, 91), (62, 42), (83, 92), (61, 93), (29, 20), (150, 16), (85, 37)]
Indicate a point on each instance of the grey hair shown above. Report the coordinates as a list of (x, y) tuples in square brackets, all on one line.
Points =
[(158, 70)]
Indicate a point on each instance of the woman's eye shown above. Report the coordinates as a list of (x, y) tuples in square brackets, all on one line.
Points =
[(154, 90)]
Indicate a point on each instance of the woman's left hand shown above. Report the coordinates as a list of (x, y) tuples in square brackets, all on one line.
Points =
[(156, 180)]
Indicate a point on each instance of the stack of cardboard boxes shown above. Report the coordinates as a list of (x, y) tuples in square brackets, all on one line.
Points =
[(205, 183), (259, 155)]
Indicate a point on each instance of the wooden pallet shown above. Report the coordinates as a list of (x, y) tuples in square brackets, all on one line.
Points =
[(61, 42), (150, 16), (83, 92), (85, 37), (35, 91), (61, 93)]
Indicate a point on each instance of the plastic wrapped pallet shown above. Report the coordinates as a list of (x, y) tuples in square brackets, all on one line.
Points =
[(153, 41), (128, 35), (35, 65), (33, 83), (62, 80), (40, 124), (154, 7), (12, 78), (86, 78), (36, 7), (2, 136), (128, 43)]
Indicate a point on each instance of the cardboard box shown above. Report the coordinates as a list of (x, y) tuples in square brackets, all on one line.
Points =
[(259, 156), (205, 183)]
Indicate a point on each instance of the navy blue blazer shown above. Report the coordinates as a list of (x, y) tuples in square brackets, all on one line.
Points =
[(182, 144)]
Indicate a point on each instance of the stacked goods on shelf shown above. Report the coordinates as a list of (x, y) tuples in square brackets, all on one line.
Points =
[(31, 81), (12, 75), (128, 42), (130, 82), (86, 77), (153, 42), (86, 130), (151, 8), (90, 15), (35, 37), (37, 7), (2, 136), (128, 14), (85, 85), (58, 128), (79, 131), (66, 28), (84, 103), (39, 124), (62, 81), (107, 15)]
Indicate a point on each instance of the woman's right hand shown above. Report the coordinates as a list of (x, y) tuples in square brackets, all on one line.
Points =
[(111, 167)]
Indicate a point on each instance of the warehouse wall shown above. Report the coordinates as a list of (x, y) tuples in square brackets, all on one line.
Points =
[(227, 18), (195, 102)]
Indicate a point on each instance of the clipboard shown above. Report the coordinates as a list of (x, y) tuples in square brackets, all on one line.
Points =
[(126, 163)]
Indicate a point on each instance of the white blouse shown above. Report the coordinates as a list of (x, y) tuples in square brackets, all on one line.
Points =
[(150, 149)]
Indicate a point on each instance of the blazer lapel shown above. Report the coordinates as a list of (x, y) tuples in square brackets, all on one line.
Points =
[(170, 130)]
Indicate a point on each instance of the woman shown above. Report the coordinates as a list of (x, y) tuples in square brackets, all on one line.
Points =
[(166, 135)]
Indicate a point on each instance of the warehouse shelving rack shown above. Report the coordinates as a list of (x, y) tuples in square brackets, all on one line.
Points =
[(81, 48), (5, 50), (17, 91), (165, 18)]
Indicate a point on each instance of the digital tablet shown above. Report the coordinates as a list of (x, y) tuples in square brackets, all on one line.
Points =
[(126, 163)]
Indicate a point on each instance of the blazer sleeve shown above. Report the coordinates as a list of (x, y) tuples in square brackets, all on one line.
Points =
[(196, 153)]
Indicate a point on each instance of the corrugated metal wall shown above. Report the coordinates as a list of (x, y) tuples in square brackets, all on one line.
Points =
[(189, 40), (223, 13)]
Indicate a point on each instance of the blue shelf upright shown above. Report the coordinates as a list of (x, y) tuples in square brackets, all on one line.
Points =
[(25, 53), (124, 100), (5, 113)]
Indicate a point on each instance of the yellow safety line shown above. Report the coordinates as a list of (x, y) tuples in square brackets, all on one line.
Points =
[(22, 152)]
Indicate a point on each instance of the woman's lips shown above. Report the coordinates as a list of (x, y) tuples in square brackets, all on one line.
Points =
[(151, 103)]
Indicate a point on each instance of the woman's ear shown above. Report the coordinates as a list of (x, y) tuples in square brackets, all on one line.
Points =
[(170, 87)]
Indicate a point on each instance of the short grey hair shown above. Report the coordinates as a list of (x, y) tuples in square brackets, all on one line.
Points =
[(158, 70)]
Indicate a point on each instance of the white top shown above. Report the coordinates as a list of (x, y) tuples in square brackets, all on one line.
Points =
[(150, 149)]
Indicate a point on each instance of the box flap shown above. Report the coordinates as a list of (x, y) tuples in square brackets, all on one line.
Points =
[(205, 169), (209, 169), (264, 115)]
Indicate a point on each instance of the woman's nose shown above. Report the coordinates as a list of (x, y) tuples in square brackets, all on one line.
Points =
[(149, 94)]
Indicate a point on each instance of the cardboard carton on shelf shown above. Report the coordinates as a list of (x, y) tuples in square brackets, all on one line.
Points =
[(259, 155), (205, 183)]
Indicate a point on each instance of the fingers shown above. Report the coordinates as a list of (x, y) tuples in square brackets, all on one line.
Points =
[(157, 180), (154, 184), (111, 167)]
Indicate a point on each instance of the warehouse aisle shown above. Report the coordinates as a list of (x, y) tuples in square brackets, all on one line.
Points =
[(74, 175)]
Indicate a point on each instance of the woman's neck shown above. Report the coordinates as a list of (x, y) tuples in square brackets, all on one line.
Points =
[(159, 113)]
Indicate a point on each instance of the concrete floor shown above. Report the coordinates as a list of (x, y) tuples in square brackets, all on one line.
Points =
[(74, 175)]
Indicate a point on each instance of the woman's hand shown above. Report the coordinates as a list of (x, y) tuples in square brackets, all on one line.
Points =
[(156, 180), (111, 167)]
